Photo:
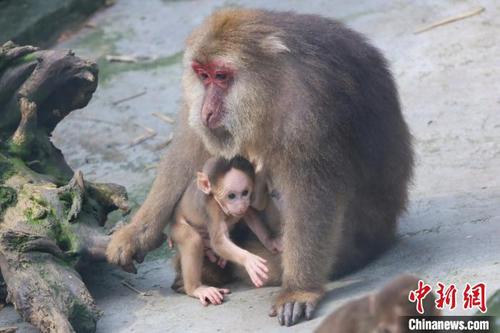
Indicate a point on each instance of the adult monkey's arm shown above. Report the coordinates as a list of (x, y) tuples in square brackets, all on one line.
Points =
[(184, 157)]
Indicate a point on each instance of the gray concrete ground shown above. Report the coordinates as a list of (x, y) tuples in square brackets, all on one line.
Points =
[(450, 89)]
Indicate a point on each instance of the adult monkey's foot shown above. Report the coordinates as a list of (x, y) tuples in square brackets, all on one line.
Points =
[(291, 306)]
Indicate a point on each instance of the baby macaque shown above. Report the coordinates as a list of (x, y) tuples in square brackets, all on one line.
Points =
[(382, 312), (212, 204)]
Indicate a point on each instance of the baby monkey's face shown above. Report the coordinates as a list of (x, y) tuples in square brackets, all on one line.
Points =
[(233, 192)]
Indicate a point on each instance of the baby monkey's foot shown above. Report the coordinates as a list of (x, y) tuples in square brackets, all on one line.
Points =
[(210, 295)]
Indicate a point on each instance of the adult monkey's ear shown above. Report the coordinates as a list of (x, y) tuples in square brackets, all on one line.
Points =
[(203, 183)]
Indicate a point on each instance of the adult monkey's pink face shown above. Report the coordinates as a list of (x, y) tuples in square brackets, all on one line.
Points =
[(219, 108), (231, 71), (222, 103), (217, 79)]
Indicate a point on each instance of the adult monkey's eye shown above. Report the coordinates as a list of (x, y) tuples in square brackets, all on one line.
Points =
[(244, 193), (231, 196), (203, 76), (220, 76)]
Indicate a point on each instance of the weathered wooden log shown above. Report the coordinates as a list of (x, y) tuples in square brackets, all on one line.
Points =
[(50, 218)]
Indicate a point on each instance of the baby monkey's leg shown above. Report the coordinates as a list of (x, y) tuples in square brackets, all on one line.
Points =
[(190, 245)]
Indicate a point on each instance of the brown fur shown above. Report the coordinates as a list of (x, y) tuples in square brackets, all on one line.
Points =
[(200, 221), (382, 312), (242, 235), (314, 102), (211, 274), (273, 263)]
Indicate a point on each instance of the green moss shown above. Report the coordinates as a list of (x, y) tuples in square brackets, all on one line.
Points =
[(37, 147), (67, 200), (38, 211), (35, 215), (23, 150), (64, 236), (24, 59), (4, 62), (99, 41), (51, 168), (18, 242), (63, 240), (29, 57), (10, 166), (82, 318), (8, 197), (42, 202), (6, 169), (108, 70), (40, 215)]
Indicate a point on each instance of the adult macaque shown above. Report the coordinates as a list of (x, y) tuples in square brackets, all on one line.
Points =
[(210, 207), (316, 105), (382, 312)]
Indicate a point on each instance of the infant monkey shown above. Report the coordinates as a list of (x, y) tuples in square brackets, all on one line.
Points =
[(218, 199)]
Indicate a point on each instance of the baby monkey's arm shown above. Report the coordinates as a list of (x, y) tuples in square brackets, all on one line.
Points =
[(224, 247), (256, 224)]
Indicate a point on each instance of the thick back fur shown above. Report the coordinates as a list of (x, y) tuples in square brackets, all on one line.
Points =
[(356, 136)]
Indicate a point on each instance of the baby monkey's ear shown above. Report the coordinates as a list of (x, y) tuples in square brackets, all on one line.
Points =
[(203, 183)]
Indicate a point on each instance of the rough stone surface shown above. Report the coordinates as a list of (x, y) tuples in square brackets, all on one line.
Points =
[(448, 79)]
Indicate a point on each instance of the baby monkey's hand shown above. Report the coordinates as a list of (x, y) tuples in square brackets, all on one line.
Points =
[(212, 295), (256, 269)]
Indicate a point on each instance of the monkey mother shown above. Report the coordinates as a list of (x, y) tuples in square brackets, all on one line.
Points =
[(313, 102)]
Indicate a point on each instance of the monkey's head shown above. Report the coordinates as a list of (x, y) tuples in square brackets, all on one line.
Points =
[(391, 305), (230, 182), (230, 72)]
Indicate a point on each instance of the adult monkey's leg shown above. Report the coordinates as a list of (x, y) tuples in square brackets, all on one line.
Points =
[(184, 157), (308, 235)]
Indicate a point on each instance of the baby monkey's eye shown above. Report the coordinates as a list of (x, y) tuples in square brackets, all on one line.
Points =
[(231, 196), (244, 193)]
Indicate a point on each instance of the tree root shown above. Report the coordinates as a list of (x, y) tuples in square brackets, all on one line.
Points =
[(50, 218)]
